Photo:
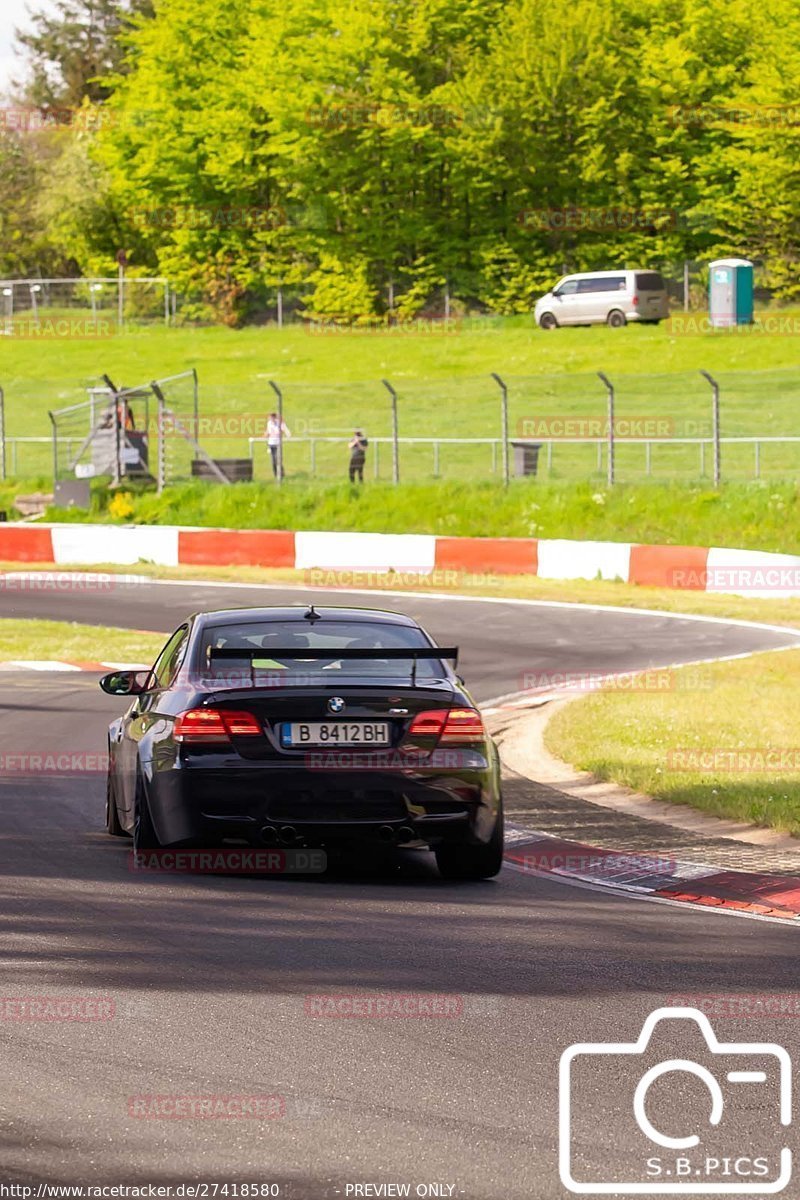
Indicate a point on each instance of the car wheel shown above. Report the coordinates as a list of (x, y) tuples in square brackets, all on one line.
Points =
[(616, 319), (473, 862), (548, 321), (144, 835), (113, 826)]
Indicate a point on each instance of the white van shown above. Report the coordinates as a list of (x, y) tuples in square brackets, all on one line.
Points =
[(604, 297)]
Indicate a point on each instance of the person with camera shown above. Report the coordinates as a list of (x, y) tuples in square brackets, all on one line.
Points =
[(358, 456)]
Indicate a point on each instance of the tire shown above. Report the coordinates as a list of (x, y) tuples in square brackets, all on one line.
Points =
[(144, 835), (113, 827), (616, 319), (548, 321), (473, 862)]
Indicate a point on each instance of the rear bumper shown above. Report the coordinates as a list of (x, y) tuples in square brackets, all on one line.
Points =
[(291, 805)]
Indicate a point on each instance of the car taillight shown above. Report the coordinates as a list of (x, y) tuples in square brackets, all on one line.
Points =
[(451, 726), (463, 726), (428, 724), (215, 725), (635, 300)]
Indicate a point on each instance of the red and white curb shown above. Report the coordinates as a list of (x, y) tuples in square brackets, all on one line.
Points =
[(660, 876), (333, 555)]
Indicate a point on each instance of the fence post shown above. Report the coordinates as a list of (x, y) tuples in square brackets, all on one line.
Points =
[(2, 435), (714, 425), (55, 449), (161, 449), (610, 465), (503, 424), (395, 435), (279, 394), (195, 403), (117, 479)]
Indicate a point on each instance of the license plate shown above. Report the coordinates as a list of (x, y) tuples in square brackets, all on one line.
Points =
[(336, 733)]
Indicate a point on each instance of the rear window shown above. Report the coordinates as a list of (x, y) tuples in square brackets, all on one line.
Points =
[(270, 637), (649, 281), (602, 283)]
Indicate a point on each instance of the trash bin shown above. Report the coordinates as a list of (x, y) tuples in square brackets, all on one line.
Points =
[(526, 457), (730, 292), (235, 470)]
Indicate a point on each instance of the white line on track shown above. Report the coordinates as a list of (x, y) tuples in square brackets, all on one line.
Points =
[(449, 596)]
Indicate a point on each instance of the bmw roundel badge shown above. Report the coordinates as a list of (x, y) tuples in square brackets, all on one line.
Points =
[(336, 704)]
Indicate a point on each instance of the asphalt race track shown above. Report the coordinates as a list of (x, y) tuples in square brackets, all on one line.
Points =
[(206, 978)]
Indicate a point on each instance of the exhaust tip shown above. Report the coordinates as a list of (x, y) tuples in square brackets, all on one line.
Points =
[(288, 834), (406, 834), (269, 835), (386, 833)]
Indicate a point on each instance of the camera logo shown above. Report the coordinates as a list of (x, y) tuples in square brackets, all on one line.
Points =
[(688, 1131)]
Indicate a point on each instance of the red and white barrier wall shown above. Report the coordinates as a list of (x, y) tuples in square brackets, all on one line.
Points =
[(747, 572)]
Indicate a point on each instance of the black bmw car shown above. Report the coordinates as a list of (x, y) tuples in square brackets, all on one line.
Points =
[(305, 727)]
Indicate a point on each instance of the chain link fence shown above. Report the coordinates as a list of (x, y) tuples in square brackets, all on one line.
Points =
[(661, 428), (91, 307)]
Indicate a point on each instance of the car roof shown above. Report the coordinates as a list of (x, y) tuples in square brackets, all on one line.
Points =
[(296, 613), (603, 274)]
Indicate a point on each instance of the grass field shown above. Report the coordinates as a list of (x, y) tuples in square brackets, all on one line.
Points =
[(722, 739), (72, 642), (758, 516), (332, 383)]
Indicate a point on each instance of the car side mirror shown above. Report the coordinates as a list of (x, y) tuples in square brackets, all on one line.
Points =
[(124, 683)]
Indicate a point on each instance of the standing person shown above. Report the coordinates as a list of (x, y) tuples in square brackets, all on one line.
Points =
[(358, 455), (276, 432)]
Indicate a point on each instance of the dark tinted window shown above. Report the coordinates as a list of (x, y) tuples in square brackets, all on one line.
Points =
[(649, 281), (269, 636), (602, 283)]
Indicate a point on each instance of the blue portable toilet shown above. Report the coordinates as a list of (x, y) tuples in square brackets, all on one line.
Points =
[(730, 292)]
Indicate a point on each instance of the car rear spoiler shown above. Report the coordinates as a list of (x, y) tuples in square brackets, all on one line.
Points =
[(336, 652)]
